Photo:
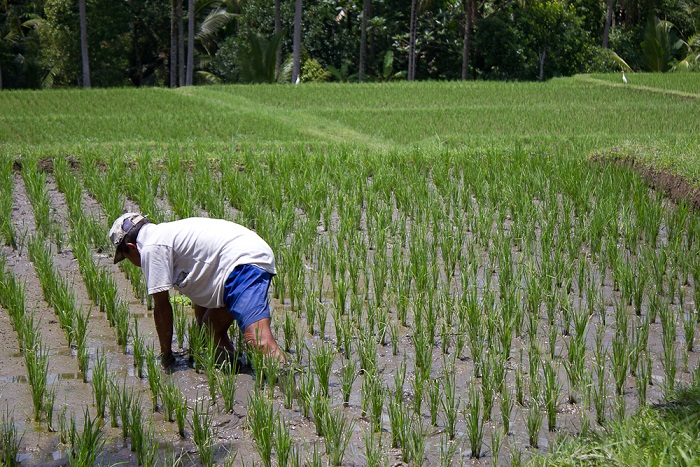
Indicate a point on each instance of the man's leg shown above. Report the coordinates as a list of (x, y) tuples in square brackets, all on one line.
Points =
[(218, 320), (199, 312), (259, 336)]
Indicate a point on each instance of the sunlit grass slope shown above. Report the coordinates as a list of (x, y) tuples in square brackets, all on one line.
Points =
[(370, 116), (662, 435)]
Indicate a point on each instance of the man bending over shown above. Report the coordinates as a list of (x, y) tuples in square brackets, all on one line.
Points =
[(223, 267)]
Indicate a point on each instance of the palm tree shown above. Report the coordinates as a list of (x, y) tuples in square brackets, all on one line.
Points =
[(412, 42), (296, 64), (258, 59), (468, 6), (84, 44), (658, 47), (608, 22), (180, 44), (366, 8), (173, 43), (278, 30), (190, 43)]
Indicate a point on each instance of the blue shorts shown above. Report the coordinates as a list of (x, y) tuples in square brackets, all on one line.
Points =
[(245, 294)]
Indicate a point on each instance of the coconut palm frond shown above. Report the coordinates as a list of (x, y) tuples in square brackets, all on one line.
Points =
[(47, 82), (258, 59), (207, 77), (212, 24)]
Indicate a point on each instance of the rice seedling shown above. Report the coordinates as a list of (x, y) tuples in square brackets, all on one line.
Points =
[(397, 420), (100, 384), (136, 429), (121, 318), (180, 411), (86, 446), (7, 231), (115, 398), (289, 330), (283, 441), (49, 406), (337, 431), (154, 376), (10, 440), (448, 449), (506, 405), (474, 420), (643, 380), (307, 388), (127, 400), (519, 387), (323, 358), (260, 414), (195, 338), (36, 360), (689, 322), (418, 390), (64, 430), (226, 379), (139, 349), (179, 321), (374, 454), (348, 375), (552, 388), (373, 395), (450, 401), (413, 448), (148, 455), (534, 424), (620, 361), (496, 443), (203, 434)]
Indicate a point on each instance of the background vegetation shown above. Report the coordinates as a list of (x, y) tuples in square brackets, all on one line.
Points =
[(144, 42)]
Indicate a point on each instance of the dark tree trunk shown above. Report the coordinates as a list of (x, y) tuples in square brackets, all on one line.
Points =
[(296, 64), (180, 45), (366, 7), (173, 43), (138, 64), (608, 22), (542, 55), (278, 29), (190, 43), (84, 44), (466, 50), (412, 42)]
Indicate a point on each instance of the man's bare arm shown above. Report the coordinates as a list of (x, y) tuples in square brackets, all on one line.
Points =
[(163, 317)]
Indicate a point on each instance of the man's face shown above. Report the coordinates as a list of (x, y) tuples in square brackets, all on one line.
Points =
[(133, 255)]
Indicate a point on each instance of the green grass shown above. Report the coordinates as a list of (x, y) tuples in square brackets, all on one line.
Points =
[(369, 116), (656, 435), (683, 82)]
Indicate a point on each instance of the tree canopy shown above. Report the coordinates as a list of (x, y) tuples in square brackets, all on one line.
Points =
[(135, 42)]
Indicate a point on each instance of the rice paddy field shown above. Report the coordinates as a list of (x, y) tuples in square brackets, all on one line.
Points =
[(468, 273)]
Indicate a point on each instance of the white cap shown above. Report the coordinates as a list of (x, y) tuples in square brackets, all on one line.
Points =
[(121, 227)]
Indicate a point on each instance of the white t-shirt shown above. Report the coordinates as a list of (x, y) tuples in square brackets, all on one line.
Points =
[(195, 256)]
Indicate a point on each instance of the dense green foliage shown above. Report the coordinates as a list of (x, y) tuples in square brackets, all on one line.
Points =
[(129, 42)]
